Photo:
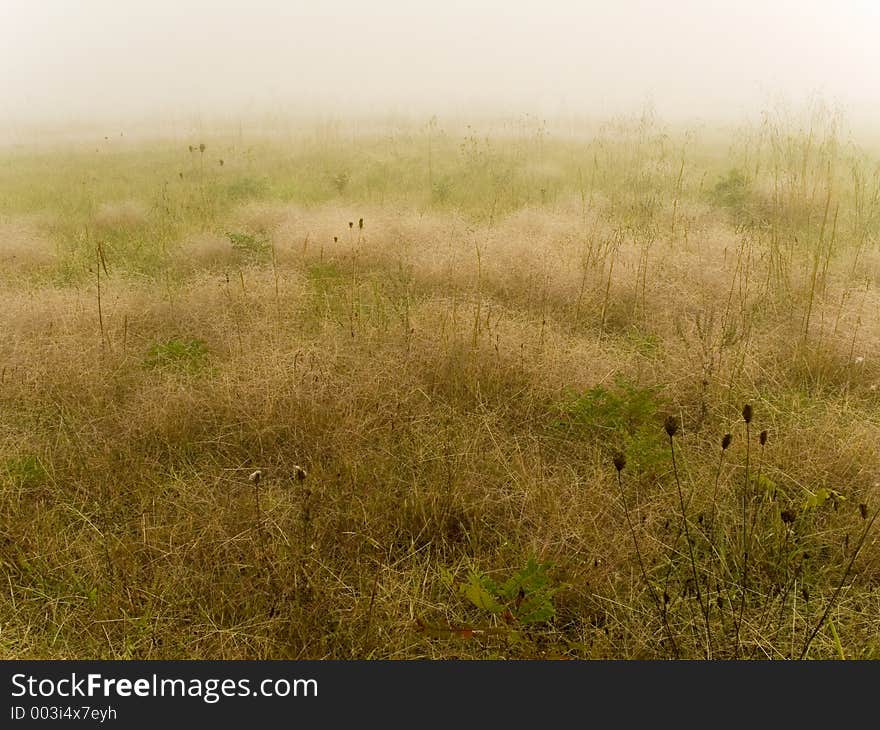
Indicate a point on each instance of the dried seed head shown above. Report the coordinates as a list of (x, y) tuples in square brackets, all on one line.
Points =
[(221, 163), (190, 149), (671, 426), (863, 510), (202, 148), (360, 222), (747, 412), (763, 437), (299, 473), (351, 224), (725, 441), (335, 239), (256, 476), (619, 461), (788, 516)]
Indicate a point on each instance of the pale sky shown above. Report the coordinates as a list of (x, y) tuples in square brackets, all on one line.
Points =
[(82, 59)]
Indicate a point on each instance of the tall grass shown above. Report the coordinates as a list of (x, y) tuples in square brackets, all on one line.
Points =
[(457, 332)]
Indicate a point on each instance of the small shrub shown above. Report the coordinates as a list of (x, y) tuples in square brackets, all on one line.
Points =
[(733, 191), (340, 181)]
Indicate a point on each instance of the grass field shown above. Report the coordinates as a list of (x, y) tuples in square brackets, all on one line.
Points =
[(438, 390)]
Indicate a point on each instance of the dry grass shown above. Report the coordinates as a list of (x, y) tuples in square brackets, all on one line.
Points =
[(455, 386)]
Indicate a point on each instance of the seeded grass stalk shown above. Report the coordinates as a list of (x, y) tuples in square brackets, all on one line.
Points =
[(255, 478), (747, 417), (100, 263), (841, 583), (671, 426), (710, 532), (619, 465)]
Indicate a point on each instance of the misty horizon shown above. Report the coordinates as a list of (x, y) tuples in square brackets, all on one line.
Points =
[(73, 63)]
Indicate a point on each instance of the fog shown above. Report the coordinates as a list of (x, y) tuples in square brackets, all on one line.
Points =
[(74, 60)]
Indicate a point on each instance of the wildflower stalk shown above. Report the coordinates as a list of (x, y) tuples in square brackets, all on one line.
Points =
[(671, 427), (725, 444), (747, 417), (840, 585), (619, 464)]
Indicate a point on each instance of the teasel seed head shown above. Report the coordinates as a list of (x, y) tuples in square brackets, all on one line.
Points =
[(863, 510), (747, 413), (725, 441), (619, 461), (671, 425), (763, 437)]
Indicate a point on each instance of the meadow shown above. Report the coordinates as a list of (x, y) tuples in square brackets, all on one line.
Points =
[(435, 390)]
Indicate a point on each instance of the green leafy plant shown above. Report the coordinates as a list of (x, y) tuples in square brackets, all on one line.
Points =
[(526, 597), (25, 471), (250, 246), (187, 355), (623, 415)]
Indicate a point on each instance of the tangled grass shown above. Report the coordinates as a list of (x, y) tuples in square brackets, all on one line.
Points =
[(329, 399)]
